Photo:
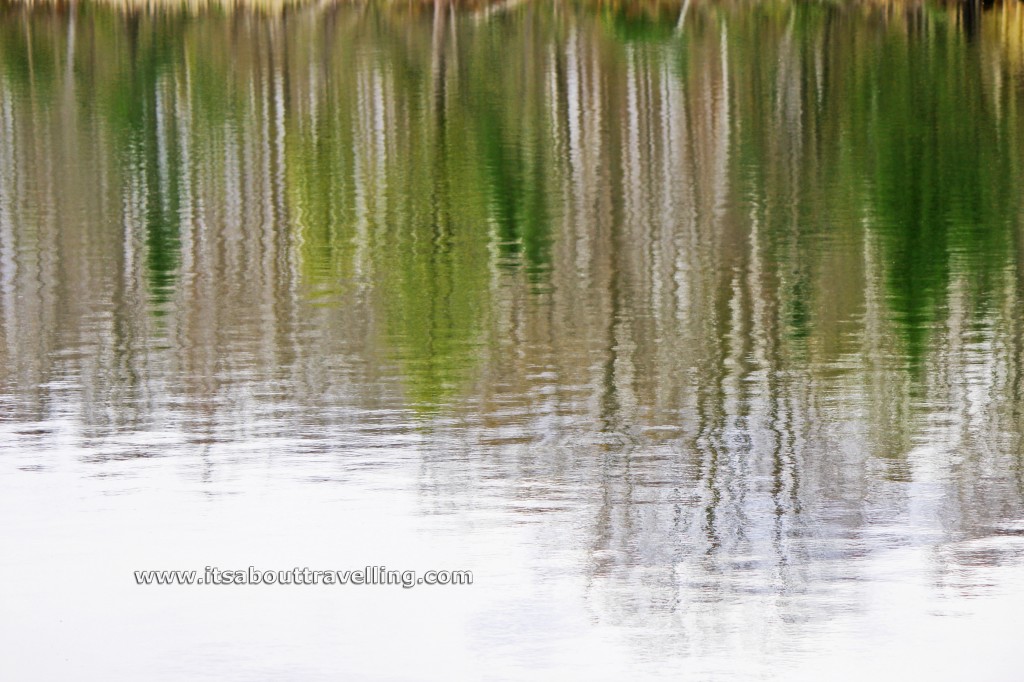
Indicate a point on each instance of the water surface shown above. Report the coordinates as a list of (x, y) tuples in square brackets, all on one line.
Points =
[(696, 334)]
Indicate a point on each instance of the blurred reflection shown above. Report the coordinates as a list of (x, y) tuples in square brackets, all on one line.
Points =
[(726, 300)]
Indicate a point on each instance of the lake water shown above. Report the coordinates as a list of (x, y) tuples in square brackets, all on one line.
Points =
[(695, 333)]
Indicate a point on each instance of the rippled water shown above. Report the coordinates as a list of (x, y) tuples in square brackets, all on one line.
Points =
[(696, 333)]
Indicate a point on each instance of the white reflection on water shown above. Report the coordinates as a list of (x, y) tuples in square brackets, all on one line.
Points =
[(73, 608)]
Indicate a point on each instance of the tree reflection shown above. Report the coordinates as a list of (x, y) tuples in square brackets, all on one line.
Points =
[(729, 287)]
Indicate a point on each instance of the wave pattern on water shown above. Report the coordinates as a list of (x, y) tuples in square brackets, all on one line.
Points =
[(724, 306)]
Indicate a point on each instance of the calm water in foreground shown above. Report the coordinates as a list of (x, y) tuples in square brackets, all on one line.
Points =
[(698, 338)]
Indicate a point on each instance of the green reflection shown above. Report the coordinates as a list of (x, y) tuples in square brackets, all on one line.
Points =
[(426, 160)]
